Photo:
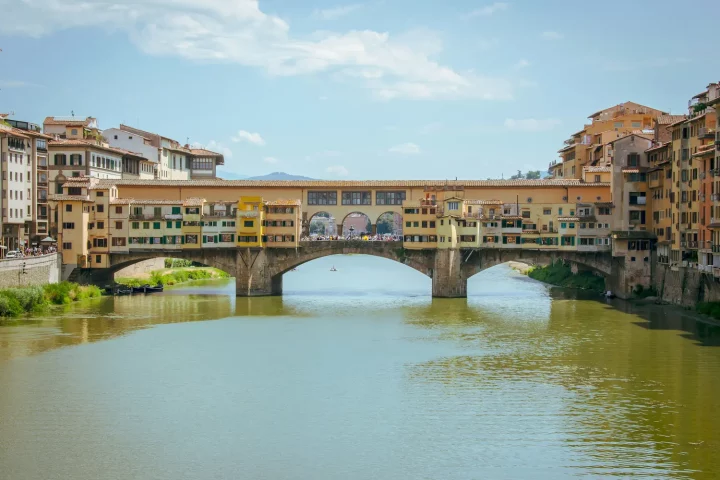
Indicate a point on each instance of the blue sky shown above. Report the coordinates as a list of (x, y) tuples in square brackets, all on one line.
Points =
[(381, 89)]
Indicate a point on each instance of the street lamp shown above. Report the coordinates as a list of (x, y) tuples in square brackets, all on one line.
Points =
[(352, 229)]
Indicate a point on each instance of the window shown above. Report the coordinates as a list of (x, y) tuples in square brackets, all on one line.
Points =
[(119, 241), (192, 210), (60, 159), (176, 210), (168, 224), (453, 205), (119, 225), (547, 211), (356, 198), (99, 194), (68, 208), (248, 223), (432, 224), (146, 225), (636, 124), (100, 225), (118, 210), (389, 198), (69, 225), (597, 178), (100, 242), (98, 258), (247, 239), (637, 198), (67, 246), (619, 124), (322, 198), (192, 239), (101, 208), (178, 224), (603, 210), (202, 164), (156, 225), (135, 225)]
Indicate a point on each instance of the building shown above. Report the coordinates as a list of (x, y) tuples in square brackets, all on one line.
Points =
[(167, 158)]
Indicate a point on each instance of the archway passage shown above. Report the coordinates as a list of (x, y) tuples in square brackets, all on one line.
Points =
[(322, 224), (357, 224), (390, 223)]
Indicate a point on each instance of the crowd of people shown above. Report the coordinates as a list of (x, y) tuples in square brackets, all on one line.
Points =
[(37, 251), (363, 236)]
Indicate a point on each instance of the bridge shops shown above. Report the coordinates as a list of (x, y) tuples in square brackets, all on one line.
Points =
[(100, 224)]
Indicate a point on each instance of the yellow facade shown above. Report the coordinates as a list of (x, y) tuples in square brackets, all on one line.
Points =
[(251, 216)]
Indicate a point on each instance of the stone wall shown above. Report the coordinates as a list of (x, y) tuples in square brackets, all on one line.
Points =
[(685, 286), (146, 266), (38, 271)]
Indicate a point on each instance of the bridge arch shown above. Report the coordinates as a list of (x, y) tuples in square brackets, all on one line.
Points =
[(391, 221), (322, 223), (356, 222)]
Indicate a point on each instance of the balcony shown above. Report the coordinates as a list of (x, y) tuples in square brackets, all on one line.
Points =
[(248, 213), (219, 215), (147, 216), (16, 144), (173, 216)]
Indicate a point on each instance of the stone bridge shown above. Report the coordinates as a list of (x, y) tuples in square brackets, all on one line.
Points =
[(260, 271)]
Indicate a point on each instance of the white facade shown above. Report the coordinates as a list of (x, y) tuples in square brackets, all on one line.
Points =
[(174, 162), (17, 187), (131, 142)]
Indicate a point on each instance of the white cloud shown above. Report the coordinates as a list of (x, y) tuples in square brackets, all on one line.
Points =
[(336, 12), (214, 146), (550, 35), (337, 170), (488, 10), (522, 63), (239, 32), (245, 136), (405, 149), (270, 160), (531, 124), (324, 98)]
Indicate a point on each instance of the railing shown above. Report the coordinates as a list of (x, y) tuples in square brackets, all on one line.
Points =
[(219, 215), (692, 244), (173, 216), (248, 213), (147, 216)]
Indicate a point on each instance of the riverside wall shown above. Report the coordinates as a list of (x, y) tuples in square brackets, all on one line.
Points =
[(28, 271), (685, 286)]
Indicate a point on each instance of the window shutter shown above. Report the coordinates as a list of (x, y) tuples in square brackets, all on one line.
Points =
[(216, 239)]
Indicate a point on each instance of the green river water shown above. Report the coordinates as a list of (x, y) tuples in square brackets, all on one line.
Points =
[(359, 374)]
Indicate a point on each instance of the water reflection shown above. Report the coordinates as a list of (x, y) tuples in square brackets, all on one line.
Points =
[(371, 375)]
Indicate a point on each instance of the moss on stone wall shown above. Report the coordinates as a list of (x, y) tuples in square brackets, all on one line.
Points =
[(561, 275)]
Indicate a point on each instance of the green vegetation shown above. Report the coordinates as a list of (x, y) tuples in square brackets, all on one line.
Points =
[(174, 276), (17, 301), (177, 263), (711, 309), (642, 292), (561, 275), (531, 175)]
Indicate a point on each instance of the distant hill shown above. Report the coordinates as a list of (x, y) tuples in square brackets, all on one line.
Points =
[(280, 176), (230, 176)]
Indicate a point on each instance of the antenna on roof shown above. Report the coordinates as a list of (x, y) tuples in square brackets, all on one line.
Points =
[(72, 113)]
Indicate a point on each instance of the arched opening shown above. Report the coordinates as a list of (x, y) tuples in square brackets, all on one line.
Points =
[(356, 225), (322, 224), (390, 224)]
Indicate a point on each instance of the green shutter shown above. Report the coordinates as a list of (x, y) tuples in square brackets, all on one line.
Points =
[(178, 224), (156, 225), (168, 224), (204, 239), (216, 239), (176, 210)]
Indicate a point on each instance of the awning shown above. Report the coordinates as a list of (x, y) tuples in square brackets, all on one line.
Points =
[(47, 240)]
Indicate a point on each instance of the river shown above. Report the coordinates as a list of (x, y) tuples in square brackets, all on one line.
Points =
[(359, 374)]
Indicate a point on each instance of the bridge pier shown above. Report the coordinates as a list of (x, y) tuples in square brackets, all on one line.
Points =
[(448, 278), (253, 277)]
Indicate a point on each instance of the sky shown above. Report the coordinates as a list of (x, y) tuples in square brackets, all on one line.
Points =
[(376, 89)]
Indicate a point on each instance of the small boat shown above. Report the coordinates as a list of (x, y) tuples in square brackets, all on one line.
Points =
[(108, 289), (609, 294), (157, 288), (333, 269), (140, 289), (123, 291)]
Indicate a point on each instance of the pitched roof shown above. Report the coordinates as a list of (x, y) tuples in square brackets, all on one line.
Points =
[(597, 169), (14, 132), (63, 142), (203, 151), (669, 119), (193, 202), (328, 184), (55, 121), (134, 201), (60, 197), (283, 202), (121, 201), (484, 202)]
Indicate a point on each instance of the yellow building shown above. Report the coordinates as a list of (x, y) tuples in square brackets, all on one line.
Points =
[(251, 216), (282, 223)]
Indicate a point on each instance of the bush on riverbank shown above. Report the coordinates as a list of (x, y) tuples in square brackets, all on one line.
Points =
[(174, 277), (711, 309), (177, 263), (17, 301), (561, 275)]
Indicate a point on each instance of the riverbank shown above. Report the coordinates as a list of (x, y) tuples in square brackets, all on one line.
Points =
[(173, 276), (18, 301), (561, 275)]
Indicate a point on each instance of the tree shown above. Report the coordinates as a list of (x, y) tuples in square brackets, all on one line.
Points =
[(533, 175), (518, 176)]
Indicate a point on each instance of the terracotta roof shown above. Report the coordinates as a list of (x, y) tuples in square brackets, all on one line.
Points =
[(90, 183), (283, 202), (630, 170), (604, 204), (661, 145), (568, 219), (154, 202), (79, 198), (484, 202), (52, 121), (704, 150), (670, 119), (121, 201), (300, 184), (597, 169), (203, 151), (512, 217), (62, 142), (11, 131), (193, 202)]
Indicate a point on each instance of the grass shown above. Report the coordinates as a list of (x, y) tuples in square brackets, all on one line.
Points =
[(174, 276), (18, 301), (561, 275)]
